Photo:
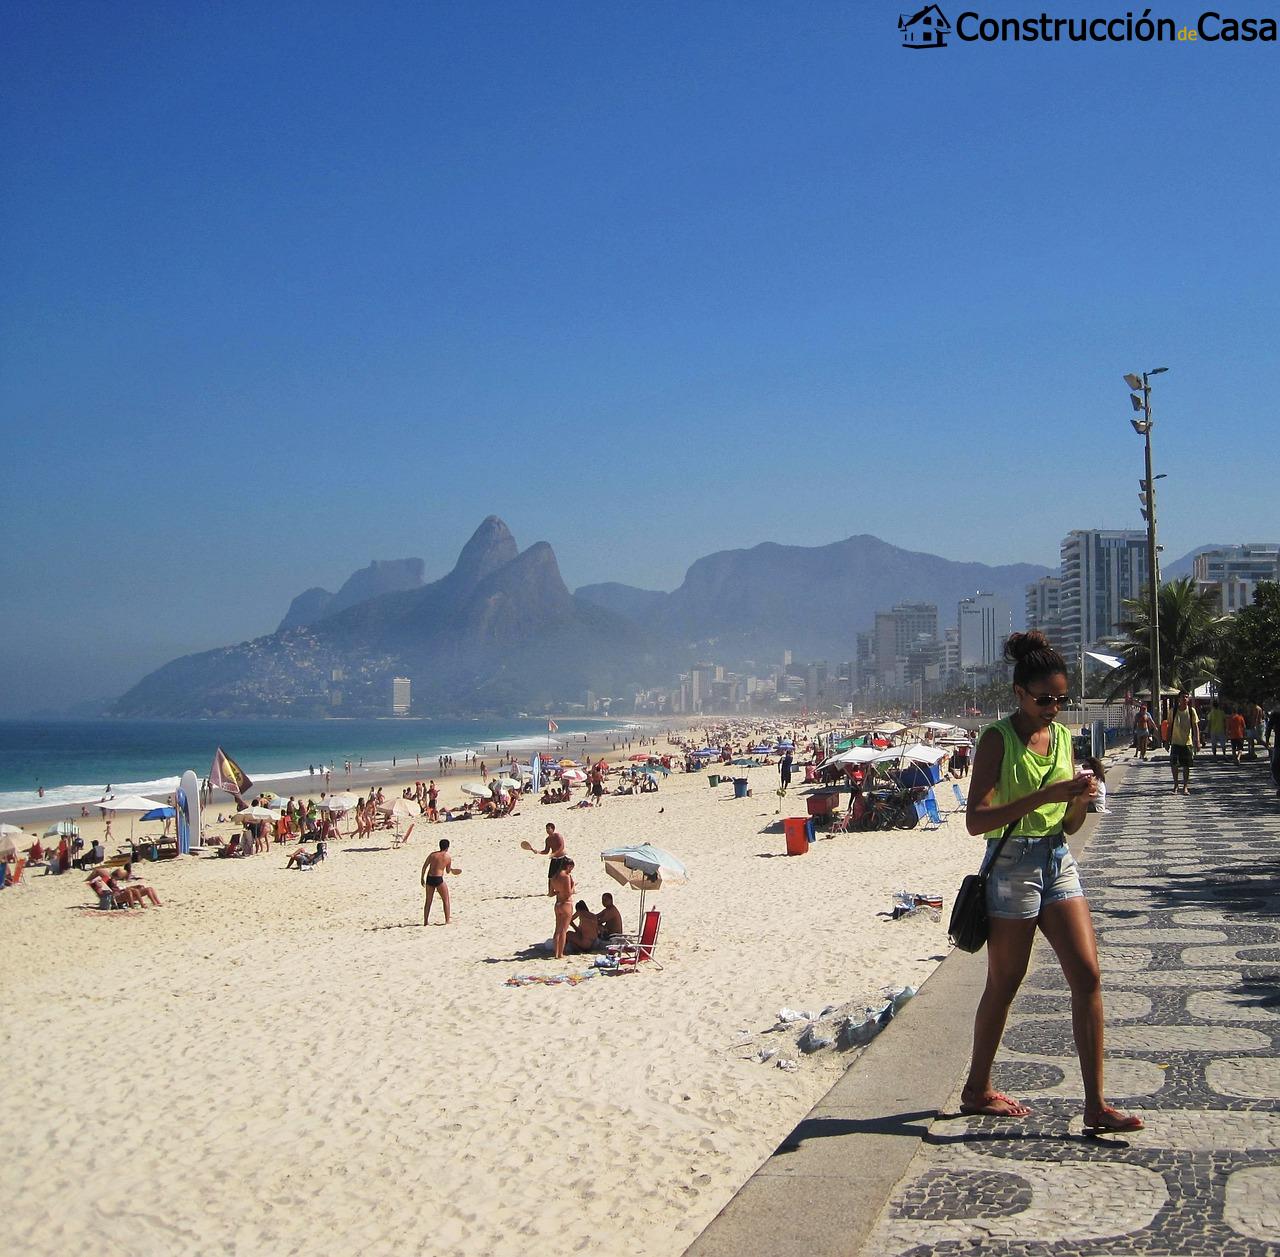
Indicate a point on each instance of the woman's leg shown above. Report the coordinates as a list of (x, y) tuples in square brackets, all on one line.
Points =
[(1008, 950), (1069, 928)]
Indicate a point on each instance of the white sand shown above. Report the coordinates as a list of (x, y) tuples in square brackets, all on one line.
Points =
[(283, 1062)]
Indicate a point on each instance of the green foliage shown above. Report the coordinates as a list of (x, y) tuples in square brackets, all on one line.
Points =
[(1249, 660), (1191, 633)]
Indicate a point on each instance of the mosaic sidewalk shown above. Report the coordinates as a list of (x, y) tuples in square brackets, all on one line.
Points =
[(1186, 898)]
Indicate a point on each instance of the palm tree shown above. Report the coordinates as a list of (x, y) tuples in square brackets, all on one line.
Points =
[(1190, 634)]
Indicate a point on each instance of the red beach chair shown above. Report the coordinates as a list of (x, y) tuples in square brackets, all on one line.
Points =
[(630, 949)]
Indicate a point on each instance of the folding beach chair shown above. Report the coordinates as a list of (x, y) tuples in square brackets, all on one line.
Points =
[(630, 949), (931, 809), (399, 838), (961, 801), (923, 815)]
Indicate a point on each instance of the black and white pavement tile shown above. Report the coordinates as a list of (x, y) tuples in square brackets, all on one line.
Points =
[(1186, 900)]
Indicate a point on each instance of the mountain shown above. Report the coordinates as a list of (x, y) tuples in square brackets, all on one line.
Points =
[(382, 576), (500, 631), (810, 599)]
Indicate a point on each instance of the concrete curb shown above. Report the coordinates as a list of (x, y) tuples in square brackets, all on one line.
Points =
[(823, 1188)]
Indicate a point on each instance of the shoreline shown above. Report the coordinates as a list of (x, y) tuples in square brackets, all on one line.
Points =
[(376, 773)]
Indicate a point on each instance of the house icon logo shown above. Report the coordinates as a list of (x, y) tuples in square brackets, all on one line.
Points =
[(928, 28)]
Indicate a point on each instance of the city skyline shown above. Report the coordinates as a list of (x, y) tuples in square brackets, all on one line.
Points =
[(285, 293)]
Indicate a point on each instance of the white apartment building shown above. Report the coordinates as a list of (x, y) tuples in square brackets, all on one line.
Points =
[(984, 622), (1101, 570), (1232, 573)]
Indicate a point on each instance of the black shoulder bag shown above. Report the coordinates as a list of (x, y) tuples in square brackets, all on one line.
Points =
[(968, 926)]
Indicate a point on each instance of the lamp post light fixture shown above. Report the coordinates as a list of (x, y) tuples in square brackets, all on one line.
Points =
[(1140, 399)]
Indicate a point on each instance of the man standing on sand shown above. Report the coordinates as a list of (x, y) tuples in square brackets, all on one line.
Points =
[(1184, 741), (553, 847), (784, 769), (434, 868)]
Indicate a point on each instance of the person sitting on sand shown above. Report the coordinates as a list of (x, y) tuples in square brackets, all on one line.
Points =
[(302, 858), (434, 868), (585, 929), (562, 887), (608, 919)]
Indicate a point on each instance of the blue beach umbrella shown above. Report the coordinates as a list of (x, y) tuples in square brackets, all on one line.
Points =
[(158, 814)]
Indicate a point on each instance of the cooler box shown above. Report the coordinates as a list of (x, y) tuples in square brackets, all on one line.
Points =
[(739, 787), (821, 804), (799, 831)]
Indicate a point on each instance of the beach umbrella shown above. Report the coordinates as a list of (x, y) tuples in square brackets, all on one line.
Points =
[(938, 726), (63, 829), (508, 783), (640, 759), (476, 789), (9, 835), (401, 808), (158, 814), (568, 763), (573, 774), (339, 803), (644, 868), (127, 803), (250, 814), (855, 755)]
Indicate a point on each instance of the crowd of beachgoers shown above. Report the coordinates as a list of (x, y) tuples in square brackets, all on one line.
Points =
[(306, 962)]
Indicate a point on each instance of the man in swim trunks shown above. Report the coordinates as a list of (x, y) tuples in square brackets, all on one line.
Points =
[(608, 919), (553, 847), (562, 887), (434, 868)]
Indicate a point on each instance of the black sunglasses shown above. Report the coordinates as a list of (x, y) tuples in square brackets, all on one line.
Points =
[(1050, 700)]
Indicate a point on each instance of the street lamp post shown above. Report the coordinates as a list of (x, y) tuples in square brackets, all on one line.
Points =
[(1140, 399)]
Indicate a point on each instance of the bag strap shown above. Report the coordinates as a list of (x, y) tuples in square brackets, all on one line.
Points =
[(995, 855)]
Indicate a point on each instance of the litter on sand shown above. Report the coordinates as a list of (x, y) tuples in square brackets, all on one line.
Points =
[(855, 1031), (906, 902)]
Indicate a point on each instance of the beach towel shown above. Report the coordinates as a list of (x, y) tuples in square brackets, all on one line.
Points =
[(542, 979)]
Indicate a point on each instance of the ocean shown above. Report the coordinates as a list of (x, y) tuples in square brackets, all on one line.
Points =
[(75, 760)]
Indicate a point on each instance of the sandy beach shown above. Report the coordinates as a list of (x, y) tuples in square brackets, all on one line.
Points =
[(282, 1062)]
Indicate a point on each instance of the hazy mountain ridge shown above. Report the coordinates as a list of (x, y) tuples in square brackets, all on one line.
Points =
[(382, 576)]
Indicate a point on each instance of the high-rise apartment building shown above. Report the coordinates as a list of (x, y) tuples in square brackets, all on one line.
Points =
[(400, 689), (1044, 607), (1232, 573), (985, 622), (1101, 571)]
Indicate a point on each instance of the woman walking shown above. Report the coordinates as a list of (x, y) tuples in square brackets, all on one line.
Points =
[(1025, 788)]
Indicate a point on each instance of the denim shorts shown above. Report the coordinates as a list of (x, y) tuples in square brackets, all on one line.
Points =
[(1030, 874)]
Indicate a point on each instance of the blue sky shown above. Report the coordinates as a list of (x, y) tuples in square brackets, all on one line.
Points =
[(288, 287)]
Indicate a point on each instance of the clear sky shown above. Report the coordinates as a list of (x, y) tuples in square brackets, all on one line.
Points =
[(284, 288)]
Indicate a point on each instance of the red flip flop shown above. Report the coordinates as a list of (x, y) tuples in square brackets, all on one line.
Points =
[(1113, 1122), (997, 1104)]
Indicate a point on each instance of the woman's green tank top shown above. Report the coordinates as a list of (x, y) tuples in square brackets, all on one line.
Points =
[(1023, 772)]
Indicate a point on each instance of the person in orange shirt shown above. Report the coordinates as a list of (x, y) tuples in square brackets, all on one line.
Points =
[(1235, 734)]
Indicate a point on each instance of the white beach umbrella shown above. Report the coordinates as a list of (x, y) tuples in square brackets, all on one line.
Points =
[(65, 829), (401, 808), (938, 726), (339, 802), (9, 841), (856, 755), (508, 783), (476, 789), (128, 803), (253, 814)]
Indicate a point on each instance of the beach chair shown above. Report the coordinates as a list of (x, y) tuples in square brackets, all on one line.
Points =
[(399, 839), (18, 865), (961, 802), (630, 949), (931, 809)]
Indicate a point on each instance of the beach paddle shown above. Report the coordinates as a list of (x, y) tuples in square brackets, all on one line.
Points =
[(526, 845)]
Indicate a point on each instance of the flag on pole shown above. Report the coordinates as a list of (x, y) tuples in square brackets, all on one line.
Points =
[(227, 775), (551, 725)]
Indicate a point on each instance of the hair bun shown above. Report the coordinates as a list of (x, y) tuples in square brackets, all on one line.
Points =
[(1021, 645)]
